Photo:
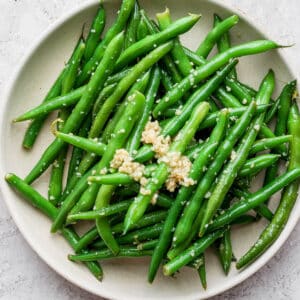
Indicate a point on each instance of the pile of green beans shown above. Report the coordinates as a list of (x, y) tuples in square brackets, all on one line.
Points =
[(214, 134)]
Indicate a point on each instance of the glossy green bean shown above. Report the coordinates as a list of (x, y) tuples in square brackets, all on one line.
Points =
[(56, 103), (140, 85), (134, 237), (231, 169), (215, 34), (189, 254), (132, 26), (223, 43), (184, 193), (172, 127), (121, 132), (256, 164), (135, 139), (191, 210), (86, 144), (199, 265), (95, 32), (149, 245), (57, 172), (152, 41), (104, 212), (147, 220), (38, 201), (265, 144), (82, 108), (117, 27), (77, 153), (255, 199), (137, 209), (177, 52), (209, 68), (233, 113), (288, 198), (104, 94), (106, 253), (225, 251), (285, 100), (142, 66)]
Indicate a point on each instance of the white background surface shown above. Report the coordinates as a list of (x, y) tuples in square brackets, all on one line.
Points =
[(22, 274)]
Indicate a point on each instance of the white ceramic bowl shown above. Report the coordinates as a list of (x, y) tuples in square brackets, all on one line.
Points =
[(124, 279)]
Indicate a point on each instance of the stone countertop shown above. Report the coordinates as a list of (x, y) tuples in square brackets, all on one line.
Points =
[(22, 274)]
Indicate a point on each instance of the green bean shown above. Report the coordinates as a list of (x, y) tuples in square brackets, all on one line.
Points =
[(82, 108), (256, 164), (142, 66), (95, 32), (230, 171), (77, 153), (148, 219), (209, 68), (173, 125), (198, 96), (215, 34), (223, 43), (227, 99), (38, 201), (225, 251), (191, 210), (238, 91), (265, 130), (255, 199), (167, 61), (189, 254), (140, 85), (288, 198), (162, 201), (104, 94), (121, 178), (57, 171), (135, 138), (82, 143), (233, 113), (104, 212), (121, 132), (166, 80), (106, 253), (262, 210), (149, 245), (152, 41), (184, 193), (137, 209), (133, 111), (99, 53), (285, 100), (199, 264), (134, 237), (72, 198), (264, 144), (142, 30), (117, 77), (272, 111), (132, 27), (90, 158), (56, 103), (177, 52), (36, 125)]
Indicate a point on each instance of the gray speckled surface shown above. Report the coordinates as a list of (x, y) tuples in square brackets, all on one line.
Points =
[(22, 274)]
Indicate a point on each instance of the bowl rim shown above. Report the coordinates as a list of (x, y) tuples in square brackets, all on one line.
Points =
[(244, 274)]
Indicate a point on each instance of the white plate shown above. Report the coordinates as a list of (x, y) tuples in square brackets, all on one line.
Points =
[(124, 279)]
